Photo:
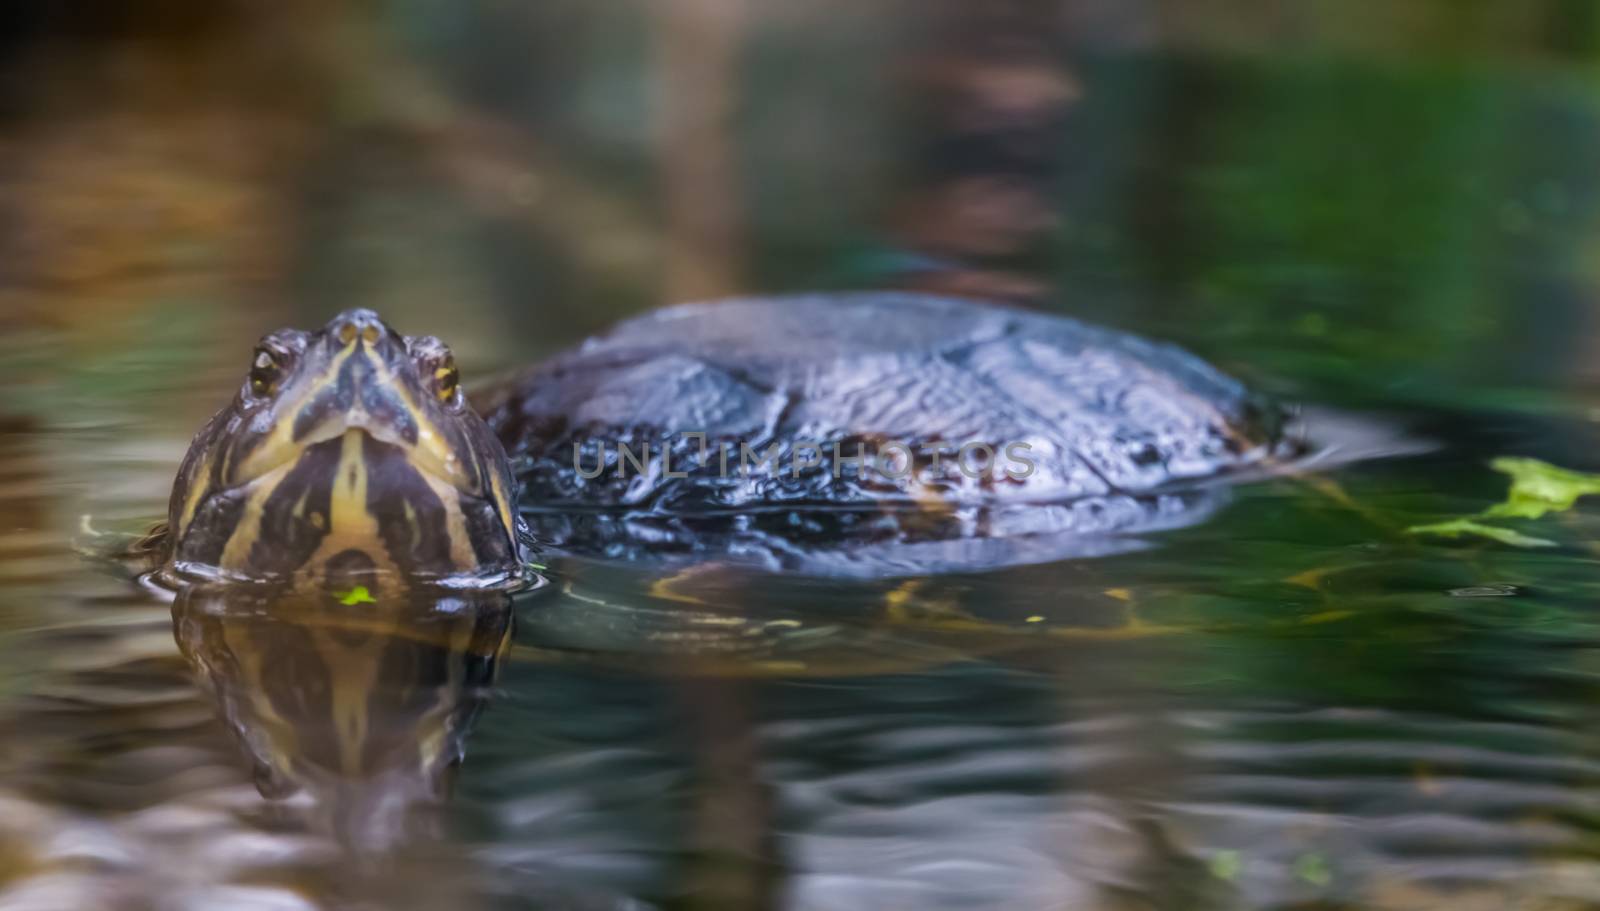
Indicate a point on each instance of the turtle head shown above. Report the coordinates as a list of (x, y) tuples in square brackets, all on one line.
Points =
[(346, 451)]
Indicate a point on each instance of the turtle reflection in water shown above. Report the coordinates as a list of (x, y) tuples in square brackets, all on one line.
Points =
[(366, 711)]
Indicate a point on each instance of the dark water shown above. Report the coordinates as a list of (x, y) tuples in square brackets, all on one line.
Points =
[(1296, 704)]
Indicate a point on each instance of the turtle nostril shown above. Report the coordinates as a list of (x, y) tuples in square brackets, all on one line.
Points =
[(353, 326)]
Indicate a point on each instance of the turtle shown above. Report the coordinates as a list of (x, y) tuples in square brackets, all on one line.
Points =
[(871, 434), (350, 459)]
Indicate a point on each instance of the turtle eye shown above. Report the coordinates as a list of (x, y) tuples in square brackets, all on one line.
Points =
[(266, 369), (446, 378), (436, 366)]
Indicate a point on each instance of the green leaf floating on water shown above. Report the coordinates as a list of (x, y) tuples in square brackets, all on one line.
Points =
[(357, 595), (1537, 489)]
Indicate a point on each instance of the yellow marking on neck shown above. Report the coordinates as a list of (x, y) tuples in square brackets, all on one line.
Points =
[(462, 555), (236, 553), (347, 501), (351, 525), (502, 505), (199, 483)]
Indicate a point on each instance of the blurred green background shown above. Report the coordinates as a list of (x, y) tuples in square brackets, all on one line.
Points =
[(1359, 202)]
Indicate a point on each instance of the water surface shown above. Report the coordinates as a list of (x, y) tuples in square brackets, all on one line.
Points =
[(1294, 704)]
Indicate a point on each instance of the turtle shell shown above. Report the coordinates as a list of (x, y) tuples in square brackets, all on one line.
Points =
[(794, 428)]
